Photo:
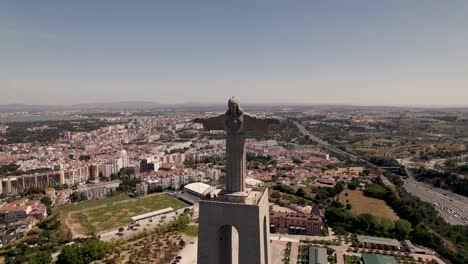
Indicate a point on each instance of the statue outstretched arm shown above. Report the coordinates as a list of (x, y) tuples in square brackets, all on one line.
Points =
[(255, 123), (211, 123)]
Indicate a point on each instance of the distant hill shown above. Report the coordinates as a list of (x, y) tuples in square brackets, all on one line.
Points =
[(133, 105), (27, 108), (119, 105)]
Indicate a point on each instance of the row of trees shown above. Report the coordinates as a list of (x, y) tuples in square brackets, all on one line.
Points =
[(384, 162), (83, 253), (395, 167), (300, 196), (445, 180), (39, 244), (455, 166), (376, 191), (10, 169), (128, 181), (343, 221), (430, 230)]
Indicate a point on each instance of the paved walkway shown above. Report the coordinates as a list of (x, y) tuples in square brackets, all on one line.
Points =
[(340, 251), (297, 238), (428, 258), (277, 252), (189, 252), (294, 253)]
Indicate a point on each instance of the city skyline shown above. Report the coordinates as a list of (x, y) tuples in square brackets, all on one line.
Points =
[(361, 53)]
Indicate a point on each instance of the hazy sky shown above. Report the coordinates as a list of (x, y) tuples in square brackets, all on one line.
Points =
[(353, 52)]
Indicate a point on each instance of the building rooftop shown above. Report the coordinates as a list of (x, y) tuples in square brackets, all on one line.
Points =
[(199, 187), (253, 182), (318, 255), (378, 259), (251, 196), (409, 244), (378, 241), (151, 214)]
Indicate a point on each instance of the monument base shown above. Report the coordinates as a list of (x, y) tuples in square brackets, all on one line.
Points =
[(235, 228), (238, 197)]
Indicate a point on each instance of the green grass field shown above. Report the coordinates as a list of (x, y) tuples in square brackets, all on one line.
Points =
[(92, 203), (108, 217)]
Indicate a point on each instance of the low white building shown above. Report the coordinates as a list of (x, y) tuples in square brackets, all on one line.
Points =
[(251, 182), (199, 189), (152, 214)]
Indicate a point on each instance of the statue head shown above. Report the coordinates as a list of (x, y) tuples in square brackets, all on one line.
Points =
[(234, 107)]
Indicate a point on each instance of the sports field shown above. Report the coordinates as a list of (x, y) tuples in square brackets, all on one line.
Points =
[(92, 203), (361, 204), (119, 214)]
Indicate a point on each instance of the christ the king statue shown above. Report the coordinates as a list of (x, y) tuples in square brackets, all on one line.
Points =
[(236, 123)]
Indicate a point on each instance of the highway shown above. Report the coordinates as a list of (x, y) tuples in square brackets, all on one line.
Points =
[(332, 148), (452, 207), (324, 144)]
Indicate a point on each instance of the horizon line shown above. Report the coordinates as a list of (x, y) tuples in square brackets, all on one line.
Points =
[(299, 104)]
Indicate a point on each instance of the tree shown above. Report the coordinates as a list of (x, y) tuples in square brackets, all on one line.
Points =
[(386, 224), (84, 157), (46, 201), (41, 257), (353, 184), (181, 243), (335, 215), (69, 254), (365, 221), (402, 229), (300, 192), (275, 195), (451, 163), (75, 197), (81, 253), (375, 191), (336, 204), (297, 161), (190, 163)]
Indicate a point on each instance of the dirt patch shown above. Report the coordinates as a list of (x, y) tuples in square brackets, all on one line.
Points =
[(361, 204), (72, 224)]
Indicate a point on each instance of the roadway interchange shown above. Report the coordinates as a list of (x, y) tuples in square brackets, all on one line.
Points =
[(452, 207), (334, 149)]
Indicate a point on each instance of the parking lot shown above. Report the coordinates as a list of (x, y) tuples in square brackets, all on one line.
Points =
[(142, 225)]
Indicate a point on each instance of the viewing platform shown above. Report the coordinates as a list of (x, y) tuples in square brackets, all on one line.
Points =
[(251, 196)]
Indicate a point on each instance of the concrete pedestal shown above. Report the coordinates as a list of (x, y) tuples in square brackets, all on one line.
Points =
[(233, 232)]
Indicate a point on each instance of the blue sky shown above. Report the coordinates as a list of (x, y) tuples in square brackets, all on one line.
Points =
[(344, 52)]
